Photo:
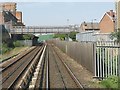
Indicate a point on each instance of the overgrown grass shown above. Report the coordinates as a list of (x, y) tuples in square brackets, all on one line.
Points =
[(110, 82), (17, 44), (5, 48)]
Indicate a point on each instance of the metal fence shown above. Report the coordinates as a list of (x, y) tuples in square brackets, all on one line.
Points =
[(100, 58), (106, 59), (81, 52), (26, 42)]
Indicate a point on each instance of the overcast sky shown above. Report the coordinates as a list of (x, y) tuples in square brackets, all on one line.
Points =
[(57, 13)]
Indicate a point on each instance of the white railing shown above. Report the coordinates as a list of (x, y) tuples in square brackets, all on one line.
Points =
[(106, 59)]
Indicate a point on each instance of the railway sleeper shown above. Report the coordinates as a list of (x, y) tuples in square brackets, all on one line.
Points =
[(24, 83), (37, 71), (25, 80)]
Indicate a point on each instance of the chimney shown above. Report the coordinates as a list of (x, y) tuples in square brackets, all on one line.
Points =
[(111, 13)]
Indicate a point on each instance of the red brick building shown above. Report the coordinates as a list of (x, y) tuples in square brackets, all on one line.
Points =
[(9, 14), (107, 23)]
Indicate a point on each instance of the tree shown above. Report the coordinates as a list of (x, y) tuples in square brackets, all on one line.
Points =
[(27, 36), (116, 35), (61, 36), (72, 35)]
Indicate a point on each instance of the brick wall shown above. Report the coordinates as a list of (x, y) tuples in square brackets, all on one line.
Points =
[(9, 6), (19, 16), (106, 25)]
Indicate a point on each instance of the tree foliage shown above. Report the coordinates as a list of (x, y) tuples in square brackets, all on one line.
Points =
[(17, 44), (27, 36), (72, 35), (116, 35), (5, 48), (61, 36), (110, 82)]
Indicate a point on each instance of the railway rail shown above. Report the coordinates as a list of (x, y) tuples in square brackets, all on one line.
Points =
[(12, 73), (40, 67), (55, 73), (68, 79)]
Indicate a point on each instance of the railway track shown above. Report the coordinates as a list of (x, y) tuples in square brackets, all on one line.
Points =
[(56, 73), (71, 74), (14, 72), (42, 67)]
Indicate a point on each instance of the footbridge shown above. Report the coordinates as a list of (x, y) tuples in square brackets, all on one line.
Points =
[(41, 29)]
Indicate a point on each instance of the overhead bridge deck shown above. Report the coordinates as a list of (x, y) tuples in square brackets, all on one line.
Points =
[(40, 29)]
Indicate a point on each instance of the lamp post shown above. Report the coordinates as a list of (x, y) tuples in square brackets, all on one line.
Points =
[(93, 24), (68, 32)]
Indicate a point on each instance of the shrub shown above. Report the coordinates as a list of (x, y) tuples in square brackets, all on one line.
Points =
[(27, 37), (4, 48), (17, 44), (110, 82)]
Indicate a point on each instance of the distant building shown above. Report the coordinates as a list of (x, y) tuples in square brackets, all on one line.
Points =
[(107, 23), (98, 31), (8, 6), (7, 19), (89, 26), (118, 13), (9, 16)]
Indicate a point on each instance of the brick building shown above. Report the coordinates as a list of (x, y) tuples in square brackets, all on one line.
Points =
[(8, 6), (107, 23), (19, 16), (89, 26), (9, 14)]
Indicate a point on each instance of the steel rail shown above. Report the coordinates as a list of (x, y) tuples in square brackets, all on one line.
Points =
[(47, 71), (59, 70), (22, 71), (70, 71), (38, 66), (9, 74), (29, 68), (19, 58)]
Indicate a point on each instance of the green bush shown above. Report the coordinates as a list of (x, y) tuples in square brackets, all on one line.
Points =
[(17, 44), (116, 35), (4, 48), (61, 36), (72, 35), (110, 82), (27, 37)]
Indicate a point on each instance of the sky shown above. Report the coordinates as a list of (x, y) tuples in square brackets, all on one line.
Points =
[(62, 13)]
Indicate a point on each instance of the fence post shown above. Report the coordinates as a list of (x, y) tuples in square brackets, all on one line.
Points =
[(94, 57), (66, 48), (119, 66)]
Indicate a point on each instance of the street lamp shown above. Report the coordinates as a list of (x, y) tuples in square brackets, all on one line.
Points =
[(93, 24), (68, 32)]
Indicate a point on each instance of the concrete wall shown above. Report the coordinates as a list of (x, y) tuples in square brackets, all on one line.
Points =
[(93, 36)]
